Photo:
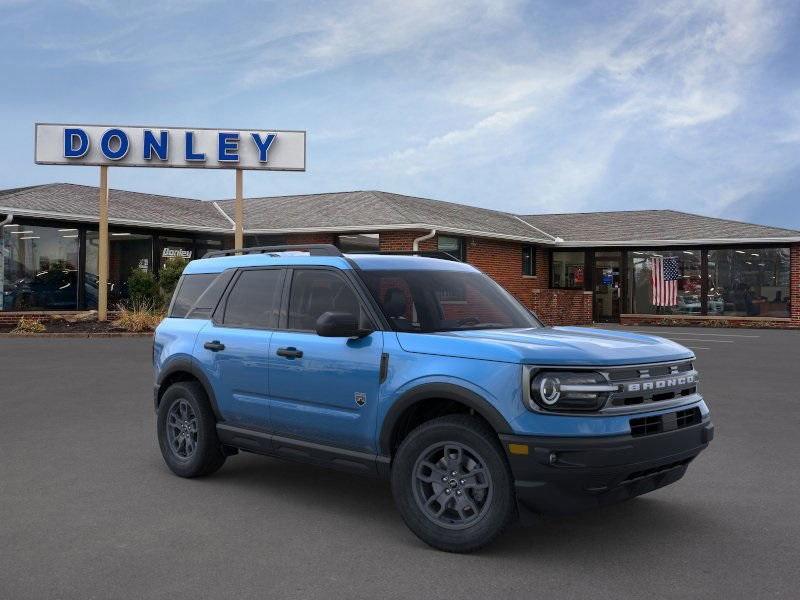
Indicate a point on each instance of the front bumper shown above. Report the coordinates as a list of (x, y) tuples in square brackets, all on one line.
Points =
[(561, 475)]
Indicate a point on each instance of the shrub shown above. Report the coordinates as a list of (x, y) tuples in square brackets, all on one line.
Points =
[(169, 275), (143, 288), (26, 325), (142, 316)]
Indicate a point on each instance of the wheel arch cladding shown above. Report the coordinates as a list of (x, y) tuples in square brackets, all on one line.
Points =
[(183, 369), (435, 394)]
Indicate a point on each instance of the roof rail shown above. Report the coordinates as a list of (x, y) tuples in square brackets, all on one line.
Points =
[(427, 253), (312, 249)]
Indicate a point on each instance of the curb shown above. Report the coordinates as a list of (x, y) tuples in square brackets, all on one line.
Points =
[(121, 334)]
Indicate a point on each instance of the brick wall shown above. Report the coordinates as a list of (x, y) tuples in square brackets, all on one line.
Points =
[(13, 317), (563, 307), (311, 238), (709, 321), (396, 241)]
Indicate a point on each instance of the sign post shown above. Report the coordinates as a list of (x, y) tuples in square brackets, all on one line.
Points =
[(175, 147), (103, 253), (238, 235)]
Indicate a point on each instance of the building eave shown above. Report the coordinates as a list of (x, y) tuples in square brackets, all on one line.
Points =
[(114, 221), (400, 227), (686, 242), (554, 243)]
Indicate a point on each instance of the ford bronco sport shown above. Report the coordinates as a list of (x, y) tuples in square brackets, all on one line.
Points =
[(426, 372)]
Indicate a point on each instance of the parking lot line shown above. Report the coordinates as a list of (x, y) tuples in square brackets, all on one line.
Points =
[(697, 348)]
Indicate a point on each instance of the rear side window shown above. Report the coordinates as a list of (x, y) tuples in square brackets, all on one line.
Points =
[(189, 289), (316, 291), (204, 307), (254, 300)]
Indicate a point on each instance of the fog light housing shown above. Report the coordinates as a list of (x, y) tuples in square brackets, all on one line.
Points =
[(570, 391)]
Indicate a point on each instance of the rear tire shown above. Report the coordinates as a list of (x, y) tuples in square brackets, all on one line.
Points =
[(452, 484), (187, 431)]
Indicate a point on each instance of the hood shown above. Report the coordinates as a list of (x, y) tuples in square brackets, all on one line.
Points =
[(548, 346)]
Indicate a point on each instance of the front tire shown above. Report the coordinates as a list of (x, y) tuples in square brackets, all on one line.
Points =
[(452, 484), (187, 432)]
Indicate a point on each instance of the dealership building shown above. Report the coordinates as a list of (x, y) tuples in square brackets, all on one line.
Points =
[(634, 267)]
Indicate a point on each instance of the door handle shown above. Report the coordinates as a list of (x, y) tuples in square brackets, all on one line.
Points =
[(214, 346), (290, 352)]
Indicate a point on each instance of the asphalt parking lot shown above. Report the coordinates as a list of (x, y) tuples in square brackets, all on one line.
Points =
[(88, 509)]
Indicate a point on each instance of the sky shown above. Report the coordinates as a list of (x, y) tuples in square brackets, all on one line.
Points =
[(530, 107)]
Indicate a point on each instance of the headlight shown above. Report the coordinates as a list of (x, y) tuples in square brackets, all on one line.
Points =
[(568, 390)]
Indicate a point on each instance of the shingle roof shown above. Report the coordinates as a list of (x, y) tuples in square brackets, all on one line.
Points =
[(364, 211), (70, 201), (352, 211), (651, 226)]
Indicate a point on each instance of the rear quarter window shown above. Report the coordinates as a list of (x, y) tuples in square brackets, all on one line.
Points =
[(189, 289)]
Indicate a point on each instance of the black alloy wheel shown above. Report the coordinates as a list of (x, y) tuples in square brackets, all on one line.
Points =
[(452, 483), (187, 431)]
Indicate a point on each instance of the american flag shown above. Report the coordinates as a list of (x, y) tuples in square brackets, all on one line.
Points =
[(664, 279)]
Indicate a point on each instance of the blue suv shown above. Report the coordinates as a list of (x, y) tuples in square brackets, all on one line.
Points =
[(423, 371)]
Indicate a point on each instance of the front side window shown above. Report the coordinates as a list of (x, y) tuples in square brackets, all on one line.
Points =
[(317, 291), (568, 270), (419, 301), (748, 282), (253, 302), (666, 282)]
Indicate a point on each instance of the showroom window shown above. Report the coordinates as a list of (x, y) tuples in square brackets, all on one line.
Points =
[(529, 261), (204, 245), (666, 282), (128, 252), (39, 267), (253, 240), (568, 270), (359, 242), (176, 247), (748, 282)]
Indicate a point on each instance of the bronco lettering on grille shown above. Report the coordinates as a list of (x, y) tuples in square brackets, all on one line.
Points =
[(660, 384)]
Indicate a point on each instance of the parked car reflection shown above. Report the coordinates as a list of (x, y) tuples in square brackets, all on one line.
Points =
[(49, 289)]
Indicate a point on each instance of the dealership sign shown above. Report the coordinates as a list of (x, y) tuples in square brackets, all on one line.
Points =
[(193, 148), (176, 253)]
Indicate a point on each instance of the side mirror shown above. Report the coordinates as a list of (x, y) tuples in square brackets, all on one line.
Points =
[(340, 324)]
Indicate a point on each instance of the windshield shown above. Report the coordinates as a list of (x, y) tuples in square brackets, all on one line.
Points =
[(428, 301)]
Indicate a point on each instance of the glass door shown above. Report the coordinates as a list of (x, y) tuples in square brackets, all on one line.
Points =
[(607, 286)]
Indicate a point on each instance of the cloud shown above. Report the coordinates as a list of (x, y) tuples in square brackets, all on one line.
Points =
[(552, 106), (463, 146), (325, 40), (672, 73)]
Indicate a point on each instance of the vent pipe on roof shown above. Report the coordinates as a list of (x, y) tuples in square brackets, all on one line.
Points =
[(427, 236), (7, 220)]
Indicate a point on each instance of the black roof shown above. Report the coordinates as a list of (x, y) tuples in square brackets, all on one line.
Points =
[(627, 227), (364, 211)]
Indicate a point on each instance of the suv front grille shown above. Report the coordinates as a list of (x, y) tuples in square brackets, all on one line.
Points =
[(652, 384), (667, 422)]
